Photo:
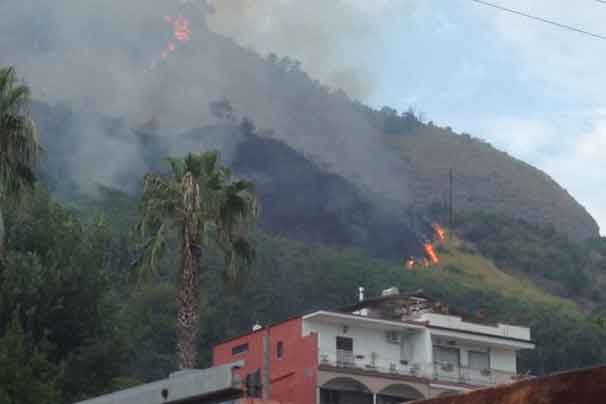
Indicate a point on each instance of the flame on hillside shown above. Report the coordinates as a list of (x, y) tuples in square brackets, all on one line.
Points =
[(181, 32), (431, 256), (431, 253), (440, 232)]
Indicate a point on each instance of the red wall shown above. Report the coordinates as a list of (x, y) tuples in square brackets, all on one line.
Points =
[(293, 377)]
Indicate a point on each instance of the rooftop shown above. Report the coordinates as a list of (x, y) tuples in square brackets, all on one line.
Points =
[(184, 387), (413, 309)]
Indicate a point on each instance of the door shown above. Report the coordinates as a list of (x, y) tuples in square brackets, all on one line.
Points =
[(345, 357)]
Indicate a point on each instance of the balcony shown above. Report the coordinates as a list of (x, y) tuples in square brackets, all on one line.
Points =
[(435, 372)]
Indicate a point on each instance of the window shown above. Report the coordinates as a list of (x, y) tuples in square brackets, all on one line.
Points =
[(344, 344), (280, 349), (479, 360), (239, 349), (445, 355)]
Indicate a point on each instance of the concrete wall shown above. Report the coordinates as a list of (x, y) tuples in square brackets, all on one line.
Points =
[(503, 360), (457, 323), (184, 387), (421, 347), (369, 341)]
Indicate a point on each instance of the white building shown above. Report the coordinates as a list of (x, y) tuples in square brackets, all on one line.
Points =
[(409, 336), (385, 350)]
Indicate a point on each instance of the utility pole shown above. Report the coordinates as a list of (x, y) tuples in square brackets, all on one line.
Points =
[(450, 199)]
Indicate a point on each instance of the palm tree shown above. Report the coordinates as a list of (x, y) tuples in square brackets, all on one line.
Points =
[(200, 204), (19, 147)]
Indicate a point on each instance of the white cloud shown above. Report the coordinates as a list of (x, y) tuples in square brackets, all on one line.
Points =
[(522, 138), (567, 61), (578, 163), (569, 68), (582, 169)]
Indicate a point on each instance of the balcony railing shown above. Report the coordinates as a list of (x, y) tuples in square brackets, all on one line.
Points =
[(446, 372)]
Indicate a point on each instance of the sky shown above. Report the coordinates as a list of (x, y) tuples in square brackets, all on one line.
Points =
[(531, 89)]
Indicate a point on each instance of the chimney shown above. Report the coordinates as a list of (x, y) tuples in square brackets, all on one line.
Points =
[(361, 293)]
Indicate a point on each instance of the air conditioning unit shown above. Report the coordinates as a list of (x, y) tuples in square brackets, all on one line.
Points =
[(393, 337)]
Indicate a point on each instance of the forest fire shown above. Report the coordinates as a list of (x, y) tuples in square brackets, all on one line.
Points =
[(440, 231), (181, 32), (431, 253), (431, 256)]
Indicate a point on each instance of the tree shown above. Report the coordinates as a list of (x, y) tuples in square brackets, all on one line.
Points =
[(55, 279), (201, 205), (19, 147), (26, 376)]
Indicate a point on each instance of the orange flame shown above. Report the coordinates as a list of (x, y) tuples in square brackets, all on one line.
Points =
[(181, 32), (431, 253), (431, 256), (440, 232)]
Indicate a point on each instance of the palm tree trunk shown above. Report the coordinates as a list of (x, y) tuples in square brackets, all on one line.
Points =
[(188, 295)]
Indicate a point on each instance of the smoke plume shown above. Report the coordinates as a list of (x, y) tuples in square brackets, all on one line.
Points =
[(103, 57), (331, 38)]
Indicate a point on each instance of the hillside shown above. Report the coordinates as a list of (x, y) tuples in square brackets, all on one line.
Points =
[(486, 179), (306, 201), (395, 160)]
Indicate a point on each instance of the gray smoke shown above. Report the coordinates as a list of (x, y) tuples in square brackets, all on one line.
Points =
[(103, 57), (331, 38)]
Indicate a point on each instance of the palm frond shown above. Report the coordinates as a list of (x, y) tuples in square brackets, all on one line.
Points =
[(159, 210), (19, 145), (209, 162), (202, 198), (152, 251), (177, 167), (238, 261)]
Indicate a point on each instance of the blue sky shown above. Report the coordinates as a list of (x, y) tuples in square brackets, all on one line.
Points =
[(531, 89)]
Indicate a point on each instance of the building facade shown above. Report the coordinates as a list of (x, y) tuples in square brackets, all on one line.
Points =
[(391, 349)]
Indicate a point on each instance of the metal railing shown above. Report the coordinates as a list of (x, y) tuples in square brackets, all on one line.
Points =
[(447, 372)]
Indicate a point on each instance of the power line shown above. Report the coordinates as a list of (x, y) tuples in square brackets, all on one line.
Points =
[(543, 20)]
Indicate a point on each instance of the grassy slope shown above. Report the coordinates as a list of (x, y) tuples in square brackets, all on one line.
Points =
[(477, 272)]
